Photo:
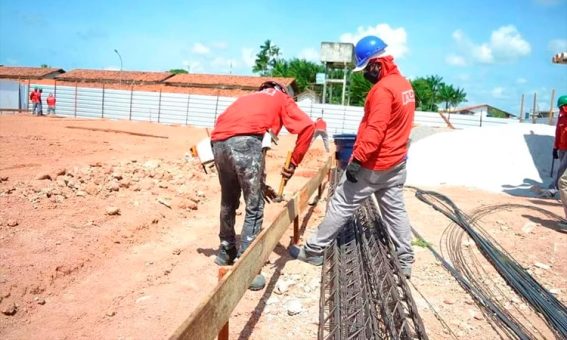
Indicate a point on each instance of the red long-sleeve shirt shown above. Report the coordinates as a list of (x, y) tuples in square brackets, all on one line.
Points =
[(256, 113), (51, 101), (383, 134), (561, 130)]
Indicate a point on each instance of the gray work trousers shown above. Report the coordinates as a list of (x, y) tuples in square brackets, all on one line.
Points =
[(387, 186), (562, 184), (561, 168), (240, 167)]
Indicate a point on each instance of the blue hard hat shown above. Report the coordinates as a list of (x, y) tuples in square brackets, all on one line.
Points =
[(367, 48)]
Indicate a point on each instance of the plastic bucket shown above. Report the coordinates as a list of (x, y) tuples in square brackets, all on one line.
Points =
[(344, 144)]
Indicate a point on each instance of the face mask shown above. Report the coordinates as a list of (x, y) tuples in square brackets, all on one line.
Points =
[(371, 76)]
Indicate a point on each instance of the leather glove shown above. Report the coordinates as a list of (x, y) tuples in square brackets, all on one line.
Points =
[(352, 170), (288, 172), (555, 155), (269, 194)]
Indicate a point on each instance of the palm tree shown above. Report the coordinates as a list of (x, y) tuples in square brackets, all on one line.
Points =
[(266, 59)]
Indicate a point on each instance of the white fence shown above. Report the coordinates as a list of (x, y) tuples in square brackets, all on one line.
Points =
[(201, 111)]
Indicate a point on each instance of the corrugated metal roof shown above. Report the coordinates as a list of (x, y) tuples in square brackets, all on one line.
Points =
[(17, 72), (114, 76)]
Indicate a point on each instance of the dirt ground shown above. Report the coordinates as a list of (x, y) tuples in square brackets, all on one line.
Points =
[(109, 230)]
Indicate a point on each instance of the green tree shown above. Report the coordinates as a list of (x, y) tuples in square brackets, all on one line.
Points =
[(358, 89), (266, 59), (44, 66), (302, 70), (423, 94), (178, 71)]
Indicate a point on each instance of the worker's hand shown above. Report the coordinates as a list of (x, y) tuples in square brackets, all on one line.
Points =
[(555, 155), (288, 172), (269, 194), (352, 170)]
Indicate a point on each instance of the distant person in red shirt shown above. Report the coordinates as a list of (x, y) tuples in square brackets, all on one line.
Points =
[(321, 130), (378, 163), (237, 148), (560, 152), (34, 100), (51, 104)]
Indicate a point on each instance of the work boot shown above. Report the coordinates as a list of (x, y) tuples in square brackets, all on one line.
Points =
[(406, 271), (562, 224), (258, 283), (300, 254), (227, 254)]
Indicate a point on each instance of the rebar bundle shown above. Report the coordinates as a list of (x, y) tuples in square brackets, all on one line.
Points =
[(363, 295)]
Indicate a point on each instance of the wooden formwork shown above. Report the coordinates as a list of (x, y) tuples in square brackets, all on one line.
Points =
[(214, 311)]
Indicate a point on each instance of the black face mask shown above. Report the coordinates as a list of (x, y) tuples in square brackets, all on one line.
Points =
[(372, 76)]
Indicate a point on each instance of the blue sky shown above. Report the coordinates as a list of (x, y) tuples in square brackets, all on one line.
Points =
[(495, 50)]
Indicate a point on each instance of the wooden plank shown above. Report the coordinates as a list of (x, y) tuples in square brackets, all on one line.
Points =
[(211, 315)]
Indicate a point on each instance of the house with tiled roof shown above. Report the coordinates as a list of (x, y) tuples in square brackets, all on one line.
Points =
[(24, 73), (230, 84), (107, 76)]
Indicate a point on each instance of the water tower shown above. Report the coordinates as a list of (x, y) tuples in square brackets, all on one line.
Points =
[(335, 55)]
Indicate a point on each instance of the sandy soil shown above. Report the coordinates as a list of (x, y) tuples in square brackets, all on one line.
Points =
[(109, 230)]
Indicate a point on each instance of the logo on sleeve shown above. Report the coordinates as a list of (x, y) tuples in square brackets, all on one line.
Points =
[(408, 97)]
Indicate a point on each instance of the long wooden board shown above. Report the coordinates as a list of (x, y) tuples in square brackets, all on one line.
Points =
[(210, 316)]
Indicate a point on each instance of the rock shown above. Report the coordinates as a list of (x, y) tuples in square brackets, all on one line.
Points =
[(113, 186), (272, 300), (200, 194), (449, 301), (283, 286), (176, 251), (11, 309), (294, 307), (117, 175), (43, 176), (555, 291), (528, 227), (12, 223), (81, 193), (151, 164), (91, 189), (162, 185), (60, 172), (3, 178), (39, 300), (110, 313), (165, 201), (125, 184), (187, 205), (112, 211), (542, 266)]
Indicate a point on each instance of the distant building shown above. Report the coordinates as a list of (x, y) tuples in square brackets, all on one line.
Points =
[(25, 73), (309, 96), (483, 110)]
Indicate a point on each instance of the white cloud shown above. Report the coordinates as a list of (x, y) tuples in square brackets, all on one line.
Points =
[(506, 44), (221, 45), (498, 92), (558, 45), (521, 80), (200, 48), (248, 56), (464, 77), (309, 54), (224, 65), (193, 66), (395, 38), (455, 60)]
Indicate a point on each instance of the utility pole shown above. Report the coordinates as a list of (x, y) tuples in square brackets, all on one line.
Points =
[(119, 56)]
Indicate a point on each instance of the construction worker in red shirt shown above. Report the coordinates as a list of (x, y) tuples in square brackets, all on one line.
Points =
[(34, 97), (237, 148), (560, 152), (51, 104), (378, 162), (321, 130)]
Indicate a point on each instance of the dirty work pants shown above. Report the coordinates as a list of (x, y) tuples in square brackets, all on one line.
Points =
[(387, 186), (563, 191), (561, 168), (240, 167)]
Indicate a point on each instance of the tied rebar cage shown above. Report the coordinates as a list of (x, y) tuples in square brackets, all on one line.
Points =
[(363, 295)]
